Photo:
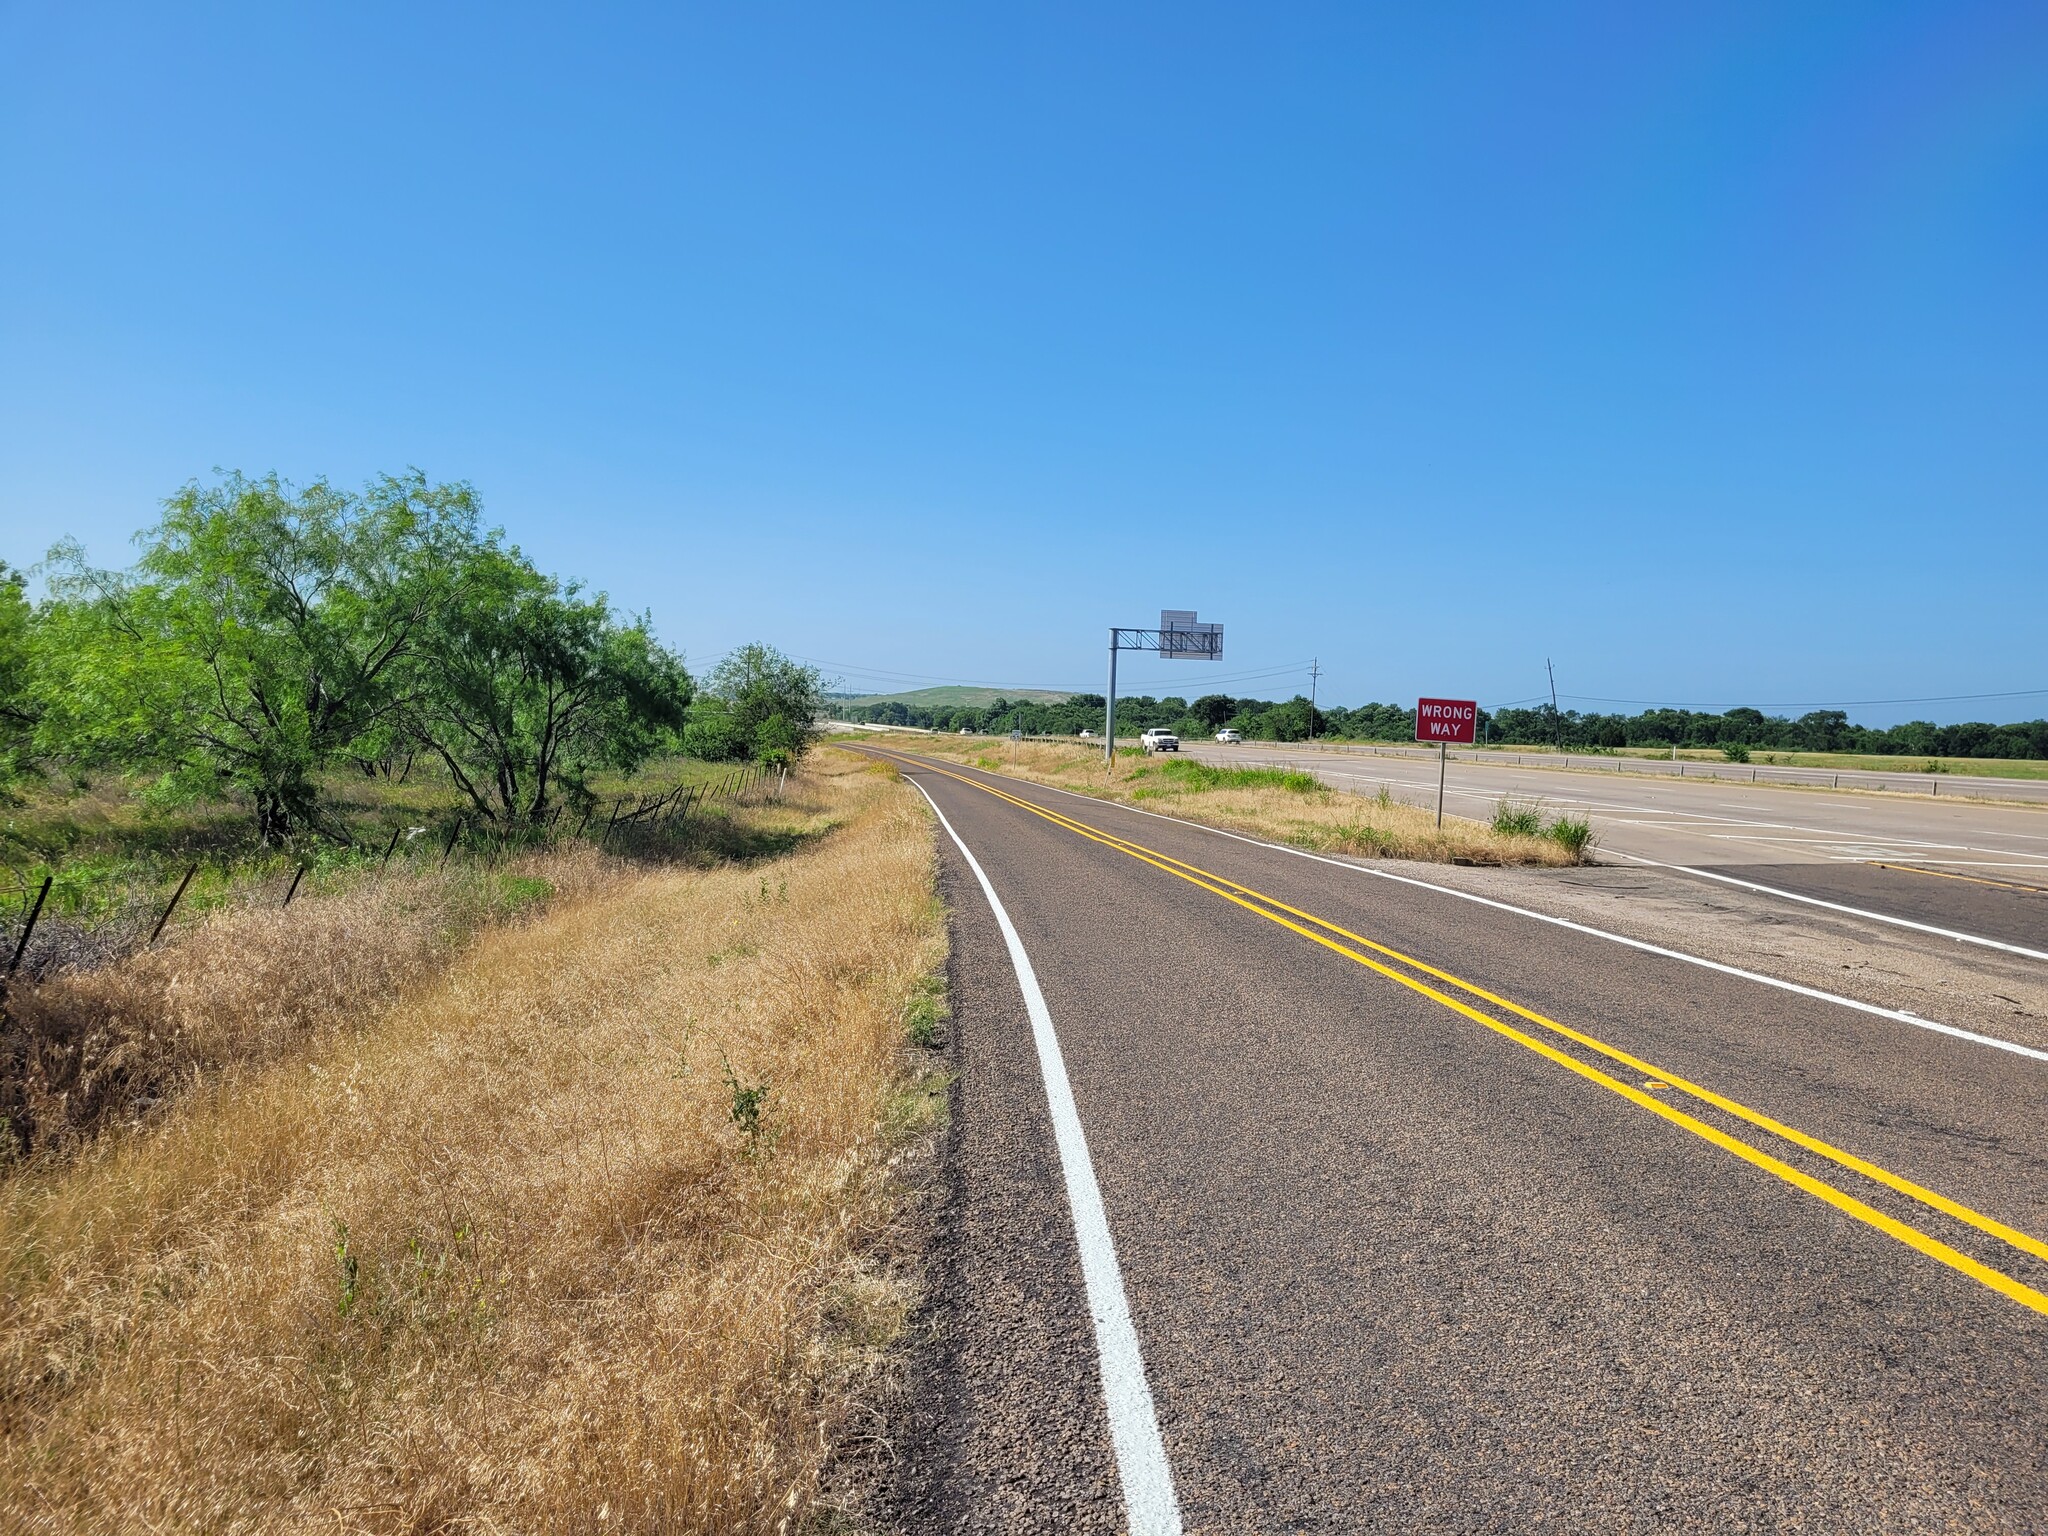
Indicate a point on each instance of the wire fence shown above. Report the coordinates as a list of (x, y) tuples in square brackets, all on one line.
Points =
[(630, 815)]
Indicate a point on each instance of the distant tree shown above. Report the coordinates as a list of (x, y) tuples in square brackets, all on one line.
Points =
[(758, 704)]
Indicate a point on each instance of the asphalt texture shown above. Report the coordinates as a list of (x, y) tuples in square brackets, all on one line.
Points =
[(1393, 1271), (1984, 864)]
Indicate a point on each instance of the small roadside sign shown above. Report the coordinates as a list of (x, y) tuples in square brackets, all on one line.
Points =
[(1452, 721), (1448, 723)]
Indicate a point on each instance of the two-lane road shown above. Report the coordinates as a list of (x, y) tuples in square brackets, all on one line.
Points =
[(1421, 1214)]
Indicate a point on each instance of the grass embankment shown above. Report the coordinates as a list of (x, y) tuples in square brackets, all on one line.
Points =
[(1282, 804), (115, 857), (568, 1238)]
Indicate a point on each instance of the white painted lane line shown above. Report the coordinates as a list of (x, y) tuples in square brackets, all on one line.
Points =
[(1898, 1015), (1150, 1506), (1836, 906)]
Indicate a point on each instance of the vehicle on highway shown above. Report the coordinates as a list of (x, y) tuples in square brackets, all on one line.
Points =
[(1229, 738), (1086, 734), (1159, 739)]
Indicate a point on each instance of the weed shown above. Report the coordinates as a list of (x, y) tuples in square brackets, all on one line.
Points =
[(1735, 752), (747, 1105), (926, 1012), (1574, 834), (1518, 818)]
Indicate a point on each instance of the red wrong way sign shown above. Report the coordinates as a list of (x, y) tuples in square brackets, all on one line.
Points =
[(1454, 721)]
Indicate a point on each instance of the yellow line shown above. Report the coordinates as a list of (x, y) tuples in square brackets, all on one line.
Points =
[(1942, 874), (1259, 903)]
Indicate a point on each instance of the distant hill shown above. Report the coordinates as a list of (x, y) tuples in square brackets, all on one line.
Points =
[(954, 697)]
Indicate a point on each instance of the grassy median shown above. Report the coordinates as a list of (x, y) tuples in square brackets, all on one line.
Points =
[(563, 1231), (1283, 804)]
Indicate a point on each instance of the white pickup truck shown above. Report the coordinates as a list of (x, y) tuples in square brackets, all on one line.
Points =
[(1159, 739)]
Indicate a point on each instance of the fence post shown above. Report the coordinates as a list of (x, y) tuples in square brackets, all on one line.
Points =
[(388, 847), (180, 891), (34, 912), (297, 875), (612, 823), (453, 833)]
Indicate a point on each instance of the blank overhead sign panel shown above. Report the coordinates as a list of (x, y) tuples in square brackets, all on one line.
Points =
[(1183, 637), (1453, 721)]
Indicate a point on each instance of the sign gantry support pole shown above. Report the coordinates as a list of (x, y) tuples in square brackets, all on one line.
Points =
[(1179, 637), (1109, 717)]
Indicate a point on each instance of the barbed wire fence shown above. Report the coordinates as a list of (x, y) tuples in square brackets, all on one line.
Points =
[(666, 813)]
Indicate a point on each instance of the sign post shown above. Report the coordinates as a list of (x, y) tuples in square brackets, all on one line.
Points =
[(1445, 721)]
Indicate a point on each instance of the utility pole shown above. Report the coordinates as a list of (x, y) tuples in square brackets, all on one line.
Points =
[(1314, 672), (1556, 720)]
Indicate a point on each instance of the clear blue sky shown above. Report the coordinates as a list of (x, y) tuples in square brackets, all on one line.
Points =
[(1701, 348)]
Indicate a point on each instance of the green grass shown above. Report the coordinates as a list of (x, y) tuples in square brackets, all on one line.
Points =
[(1517, 818), (1183, 775)]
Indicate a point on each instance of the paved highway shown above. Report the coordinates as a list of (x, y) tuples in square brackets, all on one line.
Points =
[(1977, 866), (1296, 1194)]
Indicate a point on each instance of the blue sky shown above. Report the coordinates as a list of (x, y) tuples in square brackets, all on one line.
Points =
[(1703, 349)]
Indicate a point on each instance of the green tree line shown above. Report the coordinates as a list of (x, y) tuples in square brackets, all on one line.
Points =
[(267, 635), (1289, 720)]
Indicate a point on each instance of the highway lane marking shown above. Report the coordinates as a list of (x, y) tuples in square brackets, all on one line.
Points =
[(1944, 874), (1691, 822), (1876, 1010), (1272, 909), (1842, 840), (1150, 1505), (1836, 906)]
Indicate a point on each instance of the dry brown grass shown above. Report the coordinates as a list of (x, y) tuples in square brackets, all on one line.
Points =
[(1320, 818), (82, 1049), (503, 1260)]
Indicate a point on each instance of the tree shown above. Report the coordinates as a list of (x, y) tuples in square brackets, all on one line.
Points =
[(756, 704), (262, 634), (18, 711), (522, 686)]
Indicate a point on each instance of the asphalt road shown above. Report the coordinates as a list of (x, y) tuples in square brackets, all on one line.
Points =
[(1406, 1244), (1976, 867)]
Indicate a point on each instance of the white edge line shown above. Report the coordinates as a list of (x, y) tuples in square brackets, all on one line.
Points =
[(1141, 1464), (1599, 933), (1836, 906)]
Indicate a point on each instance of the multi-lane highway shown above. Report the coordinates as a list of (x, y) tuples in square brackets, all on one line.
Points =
[(1982, 865), (1287, 1193)]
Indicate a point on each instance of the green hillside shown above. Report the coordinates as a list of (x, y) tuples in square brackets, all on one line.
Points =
[(956, 697)]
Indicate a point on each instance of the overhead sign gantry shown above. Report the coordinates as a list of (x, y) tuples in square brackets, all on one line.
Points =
[(1179, 637)]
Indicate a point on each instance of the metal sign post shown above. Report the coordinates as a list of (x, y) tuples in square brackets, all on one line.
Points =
[(1179, 637)]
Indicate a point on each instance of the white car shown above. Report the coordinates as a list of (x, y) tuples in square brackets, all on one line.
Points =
[(1086, 734), (1229, 738), (1159, 739)]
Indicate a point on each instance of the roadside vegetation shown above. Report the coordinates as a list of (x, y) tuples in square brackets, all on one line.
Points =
[(1282, 804), (568, 1227)]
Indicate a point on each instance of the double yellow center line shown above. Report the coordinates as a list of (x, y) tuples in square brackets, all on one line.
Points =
[(1440, 987)]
